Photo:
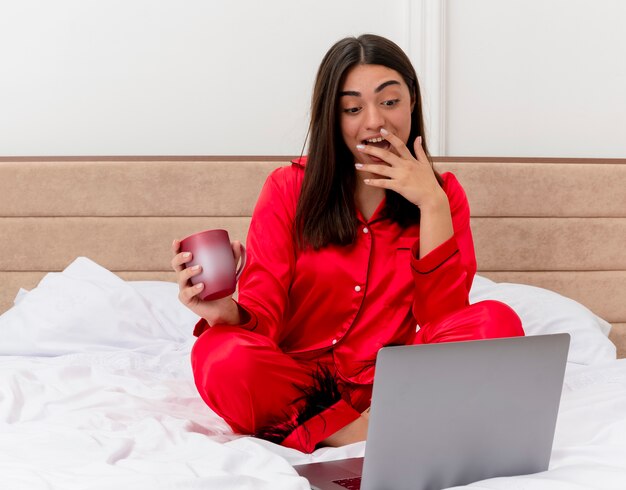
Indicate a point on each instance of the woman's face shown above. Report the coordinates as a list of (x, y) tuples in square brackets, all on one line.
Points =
[(373, 97)]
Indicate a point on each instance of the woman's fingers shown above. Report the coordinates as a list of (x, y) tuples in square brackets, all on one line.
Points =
[(236, 246), (186, 274), (175, 247), (411, 177), (384, 170), (419, 150), (383, 184), (385, 155), (402, 153), (396, 143), (187, 294), (179, 259), (188, 291)]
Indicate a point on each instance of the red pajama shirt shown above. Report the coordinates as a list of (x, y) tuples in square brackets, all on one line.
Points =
[(341, 304)]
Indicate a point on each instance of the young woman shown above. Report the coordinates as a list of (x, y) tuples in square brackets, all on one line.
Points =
[(350, 249)]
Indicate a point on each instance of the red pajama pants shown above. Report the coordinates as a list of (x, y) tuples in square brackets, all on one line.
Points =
[(258, 389)]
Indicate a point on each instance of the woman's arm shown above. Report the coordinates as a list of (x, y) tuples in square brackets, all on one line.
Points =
[(435, 223), (415, 180), (266, 279), (443, 259), (443, 277)]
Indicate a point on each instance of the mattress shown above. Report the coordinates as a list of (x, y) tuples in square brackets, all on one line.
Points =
[(96, 391)]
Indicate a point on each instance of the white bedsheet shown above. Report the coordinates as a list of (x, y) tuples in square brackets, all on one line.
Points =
[(91, 399)]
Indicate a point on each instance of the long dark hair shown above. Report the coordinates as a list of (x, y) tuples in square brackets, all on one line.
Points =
[(326, 212)]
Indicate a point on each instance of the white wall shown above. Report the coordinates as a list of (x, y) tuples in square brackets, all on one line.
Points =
[(209, 77), (536, 78), (158, 77)]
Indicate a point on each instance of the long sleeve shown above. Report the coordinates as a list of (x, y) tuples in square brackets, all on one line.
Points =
[(354, 299), (265, 283), (444, 277)]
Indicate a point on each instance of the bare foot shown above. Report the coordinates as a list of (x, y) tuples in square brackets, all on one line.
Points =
[(355, 431)]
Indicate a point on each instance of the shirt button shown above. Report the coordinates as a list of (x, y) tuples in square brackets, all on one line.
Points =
[(357, 288), (365, 230), (334, 341)]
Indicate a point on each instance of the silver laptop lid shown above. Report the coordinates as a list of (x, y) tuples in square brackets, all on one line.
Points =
[(455, 413)]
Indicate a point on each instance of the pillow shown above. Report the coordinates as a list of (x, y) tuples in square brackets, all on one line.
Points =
[(161, 298), (87, 308), (544, 312)]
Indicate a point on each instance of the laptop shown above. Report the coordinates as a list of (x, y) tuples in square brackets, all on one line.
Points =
[(455, 413)]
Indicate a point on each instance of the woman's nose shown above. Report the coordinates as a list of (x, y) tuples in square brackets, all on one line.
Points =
[(374, 118)]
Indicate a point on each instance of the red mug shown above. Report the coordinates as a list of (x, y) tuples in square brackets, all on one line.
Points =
[(211, 249)]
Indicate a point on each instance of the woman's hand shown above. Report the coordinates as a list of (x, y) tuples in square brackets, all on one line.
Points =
[(223, 310), (413, 178)]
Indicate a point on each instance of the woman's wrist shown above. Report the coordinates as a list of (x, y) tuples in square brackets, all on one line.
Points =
[(435, 203), (435, 223), (225, 311)]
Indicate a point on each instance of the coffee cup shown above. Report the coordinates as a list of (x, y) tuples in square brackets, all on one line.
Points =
[(211, 249)]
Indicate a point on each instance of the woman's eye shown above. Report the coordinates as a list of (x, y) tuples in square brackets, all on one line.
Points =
[(351, 110), (390, 103)]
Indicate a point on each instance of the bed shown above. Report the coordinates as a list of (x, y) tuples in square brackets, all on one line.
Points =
[(95, 383)]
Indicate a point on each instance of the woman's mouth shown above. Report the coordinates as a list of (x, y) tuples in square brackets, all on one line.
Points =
[(378, 142)]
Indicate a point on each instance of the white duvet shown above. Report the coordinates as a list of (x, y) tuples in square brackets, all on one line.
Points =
[(96, 392)]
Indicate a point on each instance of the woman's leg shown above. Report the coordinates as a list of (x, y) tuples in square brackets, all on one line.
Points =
[(484, 320), (258, 389)]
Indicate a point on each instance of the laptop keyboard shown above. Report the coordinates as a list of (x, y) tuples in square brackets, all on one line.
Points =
[(349, 483)]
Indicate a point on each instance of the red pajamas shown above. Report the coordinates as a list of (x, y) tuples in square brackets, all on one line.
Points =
[(302, 366)]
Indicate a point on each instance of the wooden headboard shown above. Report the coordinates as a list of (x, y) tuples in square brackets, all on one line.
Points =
[(554, 223)]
